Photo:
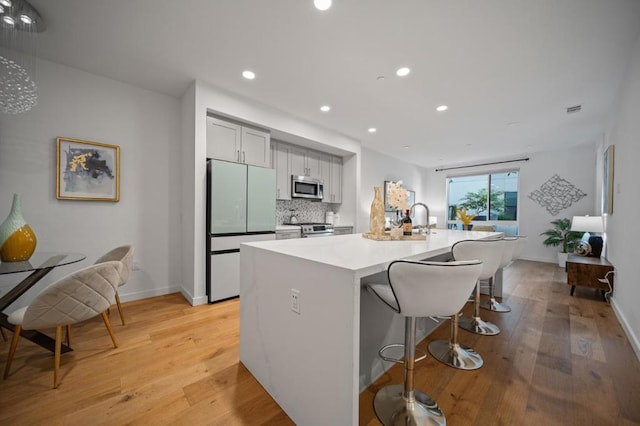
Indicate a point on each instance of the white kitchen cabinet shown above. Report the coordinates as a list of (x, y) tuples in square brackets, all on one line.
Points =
[(280, 162), (342, 230), (233, 142), (305, 162), (288, 234), (332, 176)]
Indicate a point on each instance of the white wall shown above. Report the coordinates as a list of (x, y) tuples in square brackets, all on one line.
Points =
[(622, 232), (376, 168), (146, 126), (576, 165), (205, 99)]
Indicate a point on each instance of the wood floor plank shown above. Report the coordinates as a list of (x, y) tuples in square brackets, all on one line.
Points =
[(559, 360)]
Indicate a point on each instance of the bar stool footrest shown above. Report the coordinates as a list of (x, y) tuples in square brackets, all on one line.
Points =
[(398, 360)]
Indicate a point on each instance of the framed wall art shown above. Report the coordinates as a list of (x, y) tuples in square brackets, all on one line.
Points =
[(607, 181), (87, 170)]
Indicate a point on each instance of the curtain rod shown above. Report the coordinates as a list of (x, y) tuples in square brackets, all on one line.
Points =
[(483, 164)]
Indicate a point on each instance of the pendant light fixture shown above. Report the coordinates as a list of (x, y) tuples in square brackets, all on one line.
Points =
[(19, 24)]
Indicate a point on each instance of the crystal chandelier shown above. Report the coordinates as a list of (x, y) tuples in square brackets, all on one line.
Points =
[(19, 23)]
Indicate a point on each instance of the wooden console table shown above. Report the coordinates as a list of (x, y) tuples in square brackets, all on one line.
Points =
[(587, 272)]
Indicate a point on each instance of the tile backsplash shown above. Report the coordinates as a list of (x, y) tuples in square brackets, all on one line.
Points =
[(306, 211)]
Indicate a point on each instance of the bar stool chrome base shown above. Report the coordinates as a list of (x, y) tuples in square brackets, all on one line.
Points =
[(455, 355), (478, 326), (393, 409), (495, 306)]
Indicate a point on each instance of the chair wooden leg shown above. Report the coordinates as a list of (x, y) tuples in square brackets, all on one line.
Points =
[(69, 335), (119, 308), (4, 334), (105, 318), (56, 360), (12, 349)]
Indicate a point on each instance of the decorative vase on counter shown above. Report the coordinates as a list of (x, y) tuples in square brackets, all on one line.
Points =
[(376, 217), (17, 239)]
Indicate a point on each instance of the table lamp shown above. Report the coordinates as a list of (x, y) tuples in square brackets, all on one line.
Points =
[(588, 224)]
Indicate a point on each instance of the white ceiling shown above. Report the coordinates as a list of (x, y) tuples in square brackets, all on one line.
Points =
[(508, 69)]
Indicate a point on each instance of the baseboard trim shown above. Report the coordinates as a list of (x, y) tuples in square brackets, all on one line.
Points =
[(195, 301), (633, 339), (128, 297)]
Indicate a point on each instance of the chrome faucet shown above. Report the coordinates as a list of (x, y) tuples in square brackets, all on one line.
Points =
[(411, 211)]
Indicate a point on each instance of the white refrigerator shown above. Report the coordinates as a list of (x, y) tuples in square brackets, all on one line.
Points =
[(241, 207)]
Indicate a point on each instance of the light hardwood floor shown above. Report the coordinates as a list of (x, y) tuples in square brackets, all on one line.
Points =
[(559, 360)]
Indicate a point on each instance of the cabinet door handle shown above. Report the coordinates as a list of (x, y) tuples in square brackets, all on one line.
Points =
[(238, 156), (278, 192), (243, 158)]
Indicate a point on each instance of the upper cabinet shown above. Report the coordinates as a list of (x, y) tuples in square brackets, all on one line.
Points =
[(233, 142), (294, 160), (333, 180), (306, 162), (280, 161)]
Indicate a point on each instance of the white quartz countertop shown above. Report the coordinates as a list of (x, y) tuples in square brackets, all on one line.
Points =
[(364, 256)]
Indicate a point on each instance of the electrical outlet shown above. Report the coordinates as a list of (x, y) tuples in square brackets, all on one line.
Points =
[(136, 265), (295, 300)]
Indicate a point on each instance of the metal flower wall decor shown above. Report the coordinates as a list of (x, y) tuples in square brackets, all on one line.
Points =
[(556, 194)]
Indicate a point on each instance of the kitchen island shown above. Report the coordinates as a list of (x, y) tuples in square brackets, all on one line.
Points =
[(316, 361)]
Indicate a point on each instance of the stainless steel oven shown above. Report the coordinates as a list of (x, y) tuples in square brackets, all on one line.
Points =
[(313, 229)]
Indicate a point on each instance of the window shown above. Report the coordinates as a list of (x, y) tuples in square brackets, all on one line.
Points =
[(492, 198)]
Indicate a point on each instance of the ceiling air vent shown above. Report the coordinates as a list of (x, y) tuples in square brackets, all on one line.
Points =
[(573, 109)]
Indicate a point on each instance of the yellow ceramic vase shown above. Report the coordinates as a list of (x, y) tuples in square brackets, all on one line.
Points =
[(17, 239)]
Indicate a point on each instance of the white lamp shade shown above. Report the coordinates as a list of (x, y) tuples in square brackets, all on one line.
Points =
[(587, 224)]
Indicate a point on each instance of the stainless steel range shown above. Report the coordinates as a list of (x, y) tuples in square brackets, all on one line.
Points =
[(313, 229)]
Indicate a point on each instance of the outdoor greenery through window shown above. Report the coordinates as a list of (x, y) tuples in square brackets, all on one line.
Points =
[(492, 198)]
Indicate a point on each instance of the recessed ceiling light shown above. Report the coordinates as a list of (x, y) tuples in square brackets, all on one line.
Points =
[(380, 78), (9, 20), (403, 72), (5, 3), (468, 145), (372, 130), (249, 75), (325, 108), (407, 146), (26, 19), (322, 4), (442, 108)]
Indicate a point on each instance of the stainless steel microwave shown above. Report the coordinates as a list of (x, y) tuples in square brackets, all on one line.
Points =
[(306, 187)]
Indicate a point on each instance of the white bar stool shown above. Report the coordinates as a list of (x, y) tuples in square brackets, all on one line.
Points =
[(490, 253), (508, 249), (419, 289)]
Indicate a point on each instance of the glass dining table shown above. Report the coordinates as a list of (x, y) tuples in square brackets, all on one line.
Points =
[(39, 265)]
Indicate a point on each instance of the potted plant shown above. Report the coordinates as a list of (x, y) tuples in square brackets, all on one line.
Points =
[(562, 235)]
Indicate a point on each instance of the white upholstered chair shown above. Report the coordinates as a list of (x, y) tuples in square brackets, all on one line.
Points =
[(123, 254), (419, 289), (77, 297)]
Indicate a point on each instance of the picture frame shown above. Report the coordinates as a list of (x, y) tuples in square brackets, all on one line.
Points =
[(87, 170), (411, 198), (607, 180)]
